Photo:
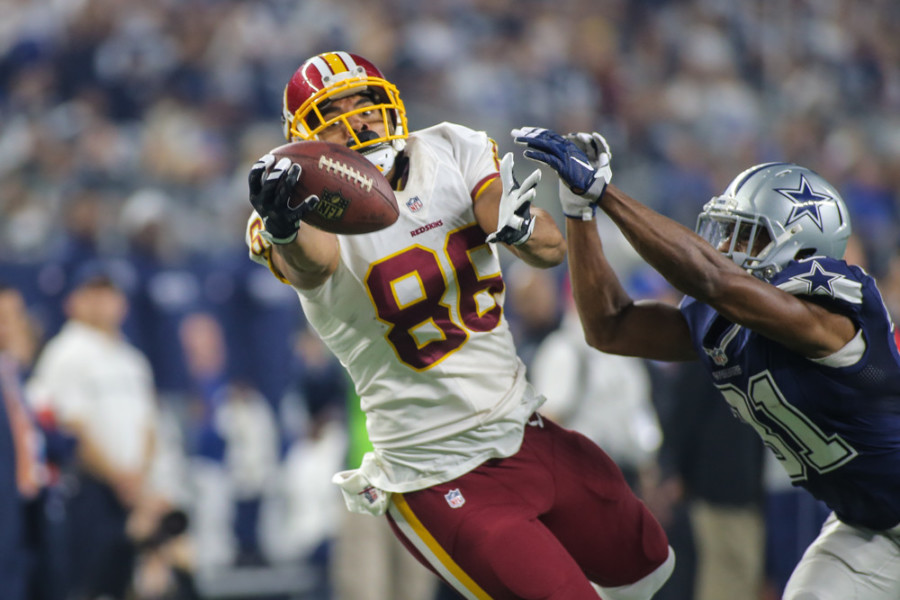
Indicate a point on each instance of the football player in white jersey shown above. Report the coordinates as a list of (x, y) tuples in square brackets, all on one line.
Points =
[(497, 501)]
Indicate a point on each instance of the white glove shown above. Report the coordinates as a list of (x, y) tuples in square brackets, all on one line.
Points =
[(515, 223)]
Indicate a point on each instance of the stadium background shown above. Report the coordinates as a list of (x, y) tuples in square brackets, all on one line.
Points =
[(127, 128)]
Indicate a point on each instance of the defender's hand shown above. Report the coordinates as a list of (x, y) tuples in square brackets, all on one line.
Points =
[(271, 194), (581, 160), (515, 223)]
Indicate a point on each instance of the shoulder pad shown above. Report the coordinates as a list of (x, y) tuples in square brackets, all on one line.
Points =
[(822, 276)]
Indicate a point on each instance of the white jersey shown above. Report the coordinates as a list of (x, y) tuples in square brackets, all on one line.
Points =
[(414, 313)]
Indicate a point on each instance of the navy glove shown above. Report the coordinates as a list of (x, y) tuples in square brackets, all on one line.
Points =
[(272, 195), (580, 159)]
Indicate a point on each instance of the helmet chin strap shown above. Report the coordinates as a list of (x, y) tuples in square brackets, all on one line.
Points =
[(382, 156)]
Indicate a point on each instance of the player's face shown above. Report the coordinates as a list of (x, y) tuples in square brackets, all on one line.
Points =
[(352, 116), (102, 306), (744, 233)]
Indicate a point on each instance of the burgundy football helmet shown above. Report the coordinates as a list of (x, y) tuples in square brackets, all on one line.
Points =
[(334, 75)]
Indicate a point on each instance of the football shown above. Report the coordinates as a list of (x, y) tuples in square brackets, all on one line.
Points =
[(354, 197)]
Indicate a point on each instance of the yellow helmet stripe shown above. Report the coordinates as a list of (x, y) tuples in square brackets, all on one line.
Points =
[(335, 63)]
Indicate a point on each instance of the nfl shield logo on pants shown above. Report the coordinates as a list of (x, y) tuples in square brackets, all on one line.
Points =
[(454, 498)]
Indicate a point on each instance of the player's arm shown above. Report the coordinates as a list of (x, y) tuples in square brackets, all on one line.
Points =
[(304, 257), (504, 211), (694, 267), (309, 260), (685, 259), (611, 320)]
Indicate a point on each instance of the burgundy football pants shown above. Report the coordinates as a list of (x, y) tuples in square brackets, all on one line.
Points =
[(539, 524)]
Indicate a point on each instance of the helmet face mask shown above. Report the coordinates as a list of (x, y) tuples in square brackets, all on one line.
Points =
[(334, 75), (781, 212)]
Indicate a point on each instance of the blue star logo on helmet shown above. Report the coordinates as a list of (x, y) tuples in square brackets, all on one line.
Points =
[(807, 202)]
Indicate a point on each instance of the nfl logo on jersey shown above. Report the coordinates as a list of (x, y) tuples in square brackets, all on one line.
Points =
[(370, 494), (454, 498), (414, 204)]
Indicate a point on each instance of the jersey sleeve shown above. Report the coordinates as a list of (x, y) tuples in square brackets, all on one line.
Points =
[(826, 279), (59, 383), (260, 249), (850, 290), (476, 153)]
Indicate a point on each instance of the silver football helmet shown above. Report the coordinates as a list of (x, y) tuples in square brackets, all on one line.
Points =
[(774, 213)]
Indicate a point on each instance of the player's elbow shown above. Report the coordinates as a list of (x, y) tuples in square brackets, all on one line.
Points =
[(716, 287), (600, 334)]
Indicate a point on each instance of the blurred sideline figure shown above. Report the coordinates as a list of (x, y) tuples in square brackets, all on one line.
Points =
[(534, 307), (714, 463), (474, 481), (799, 342), (606, 397), (21, 476), (40, 448), (100, 389), (369, 561)]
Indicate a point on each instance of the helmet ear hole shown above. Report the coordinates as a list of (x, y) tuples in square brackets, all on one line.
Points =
[(805, 253)]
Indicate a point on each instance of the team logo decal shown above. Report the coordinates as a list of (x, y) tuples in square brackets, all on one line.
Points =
[(819, 281), (331, 205), (414, 204), (454, 498), (807, 202)]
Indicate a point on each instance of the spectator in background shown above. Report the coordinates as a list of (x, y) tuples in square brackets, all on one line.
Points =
[(40, 450), (235, 445), (246, 422), (534, 307), (606, 397), (369, 561), (303, 509), (19, 482), (86, 220), (13, 550), (101, 391), (167, 287), (37, 445), (715, 463)]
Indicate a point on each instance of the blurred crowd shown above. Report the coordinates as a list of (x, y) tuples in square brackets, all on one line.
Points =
[(127, 129)]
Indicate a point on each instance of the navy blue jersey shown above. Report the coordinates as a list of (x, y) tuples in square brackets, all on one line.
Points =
[(836, 430)]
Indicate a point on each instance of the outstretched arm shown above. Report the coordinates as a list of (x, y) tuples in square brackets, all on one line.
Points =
[(303, 257), (687, 261), (611, 320), (694, 267)]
